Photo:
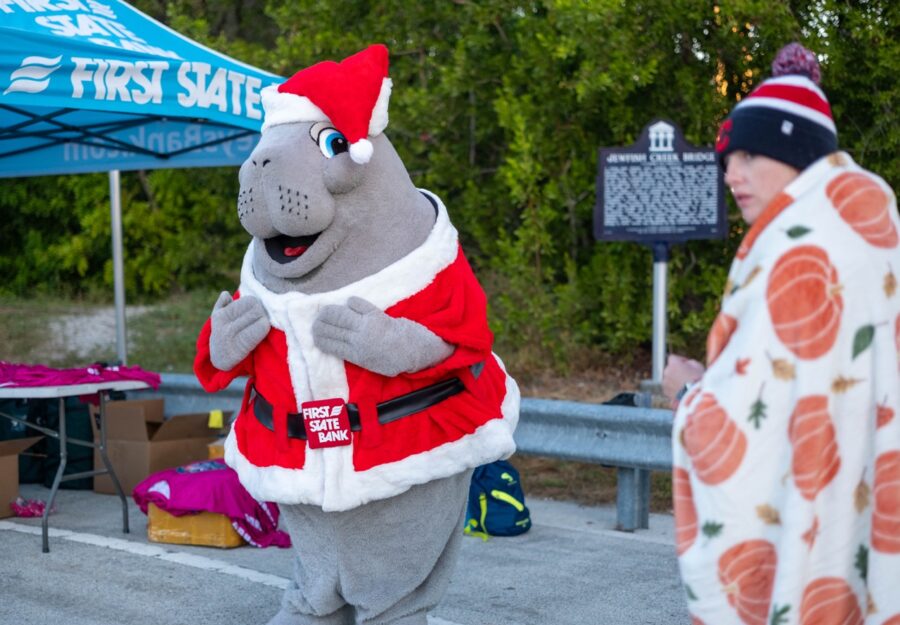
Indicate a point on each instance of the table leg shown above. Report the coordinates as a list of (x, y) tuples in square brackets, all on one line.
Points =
[(108, 464), (63, 457)]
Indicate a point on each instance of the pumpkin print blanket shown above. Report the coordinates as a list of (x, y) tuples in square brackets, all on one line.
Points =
[(787, 451)]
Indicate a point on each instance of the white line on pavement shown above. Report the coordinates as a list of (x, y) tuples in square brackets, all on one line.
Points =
[(151, 551), (177, 557)]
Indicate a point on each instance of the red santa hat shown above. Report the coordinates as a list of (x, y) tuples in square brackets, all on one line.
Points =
[(352, 95)]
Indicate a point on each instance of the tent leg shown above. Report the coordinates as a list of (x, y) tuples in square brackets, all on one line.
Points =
[(115, 201)]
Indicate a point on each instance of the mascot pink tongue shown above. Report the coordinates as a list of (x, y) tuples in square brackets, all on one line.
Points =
[(372, 389)]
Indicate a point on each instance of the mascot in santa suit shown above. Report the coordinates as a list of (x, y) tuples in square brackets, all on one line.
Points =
[(372, 389)]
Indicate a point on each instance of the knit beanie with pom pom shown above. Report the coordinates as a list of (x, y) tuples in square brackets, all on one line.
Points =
[(786, 118)]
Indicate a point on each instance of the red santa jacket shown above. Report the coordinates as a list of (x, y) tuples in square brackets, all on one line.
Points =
[(434, 286)]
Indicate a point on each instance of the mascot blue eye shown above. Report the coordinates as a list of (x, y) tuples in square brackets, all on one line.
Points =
[(332, 142)]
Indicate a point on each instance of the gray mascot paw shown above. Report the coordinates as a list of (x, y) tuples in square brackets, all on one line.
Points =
[(238, 326), (364, 335)]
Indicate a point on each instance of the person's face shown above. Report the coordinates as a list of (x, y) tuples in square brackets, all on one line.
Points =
[(755, 180)]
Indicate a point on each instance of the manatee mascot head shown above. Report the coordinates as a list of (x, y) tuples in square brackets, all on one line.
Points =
[(324, 194), (328, 203)]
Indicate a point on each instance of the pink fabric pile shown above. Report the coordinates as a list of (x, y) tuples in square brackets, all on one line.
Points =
[(26, 508), (16, 374), (212, 486)]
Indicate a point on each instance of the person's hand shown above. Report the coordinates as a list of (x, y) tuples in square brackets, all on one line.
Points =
[(678, 372)]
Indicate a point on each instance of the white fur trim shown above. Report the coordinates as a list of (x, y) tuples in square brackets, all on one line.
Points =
[(288, 108), (315, 374), (328, 478), (361, 151), (379, 120), (406, 276), (330, 481)]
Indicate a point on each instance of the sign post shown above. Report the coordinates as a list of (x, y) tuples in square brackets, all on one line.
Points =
[(660, 292), (658, 191)]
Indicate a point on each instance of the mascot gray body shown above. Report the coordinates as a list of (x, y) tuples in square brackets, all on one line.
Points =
[(339, 231)]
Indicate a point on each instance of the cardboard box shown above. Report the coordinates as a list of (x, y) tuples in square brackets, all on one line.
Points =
[(140, 441), (206, 529), (9, 470)]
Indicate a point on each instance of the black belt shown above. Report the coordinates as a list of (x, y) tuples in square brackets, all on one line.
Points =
[(388, 411)]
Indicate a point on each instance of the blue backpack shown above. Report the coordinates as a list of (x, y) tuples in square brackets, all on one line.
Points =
[(496, 502)]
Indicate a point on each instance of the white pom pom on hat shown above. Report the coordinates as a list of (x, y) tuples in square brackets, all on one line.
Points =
[(352, 95), (361, 151)]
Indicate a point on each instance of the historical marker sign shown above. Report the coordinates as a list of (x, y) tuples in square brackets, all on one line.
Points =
[(659, 189)]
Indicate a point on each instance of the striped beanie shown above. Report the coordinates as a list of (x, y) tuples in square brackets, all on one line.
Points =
[(786, 118)]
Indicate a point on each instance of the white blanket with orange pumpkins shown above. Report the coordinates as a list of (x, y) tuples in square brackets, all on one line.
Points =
[(787, 451)]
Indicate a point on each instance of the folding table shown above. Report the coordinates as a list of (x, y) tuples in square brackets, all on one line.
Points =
[(103, 388)]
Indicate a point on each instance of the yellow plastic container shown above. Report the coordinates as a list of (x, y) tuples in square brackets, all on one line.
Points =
[(206, 529), (216, 449)]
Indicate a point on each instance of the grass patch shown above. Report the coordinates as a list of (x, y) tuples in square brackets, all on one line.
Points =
[(27, 332), (74, 332), (165, 338)]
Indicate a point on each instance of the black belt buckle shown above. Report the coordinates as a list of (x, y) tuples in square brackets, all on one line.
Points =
[(388, 411), (262, 410)]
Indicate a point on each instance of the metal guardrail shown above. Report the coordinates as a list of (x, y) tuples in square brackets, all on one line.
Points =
[(634, 440), (184, 395)]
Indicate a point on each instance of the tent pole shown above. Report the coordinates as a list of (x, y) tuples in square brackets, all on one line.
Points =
[(115, 201)]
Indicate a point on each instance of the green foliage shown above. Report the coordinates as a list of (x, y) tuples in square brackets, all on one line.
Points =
[(179, 232), (50, 227), (499, 107), (175, 323)]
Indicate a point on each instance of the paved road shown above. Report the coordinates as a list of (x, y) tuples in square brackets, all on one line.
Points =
[(570, 569)]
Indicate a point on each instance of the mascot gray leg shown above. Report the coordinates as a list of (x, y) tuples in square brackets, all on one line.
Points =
[(385, 563)]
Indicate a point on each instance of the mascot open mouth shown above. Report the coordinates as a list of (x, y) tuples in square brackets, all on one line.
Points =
[(284, 249)]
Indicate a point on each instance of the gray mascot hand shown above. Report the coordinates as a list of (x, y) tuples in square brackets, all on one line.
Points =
[(364, 335), (237, 328)]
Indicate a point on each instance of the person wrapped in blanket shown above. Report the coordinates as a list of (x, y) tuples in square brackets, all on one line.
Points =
[(373, 391), (787, 445)]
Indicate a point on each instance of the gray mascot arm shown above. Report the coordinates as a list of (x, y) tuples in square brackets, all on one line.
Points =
[(364, 335), (238, 326)]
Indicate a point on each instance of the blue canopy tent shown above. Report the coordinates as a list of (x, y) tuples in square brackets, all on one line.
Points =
[(88, 86)]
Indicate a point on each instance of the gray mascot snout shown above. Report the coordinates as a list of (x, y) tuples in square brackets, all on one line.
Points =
[(373, 391)]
